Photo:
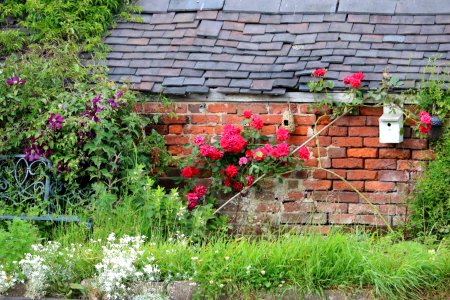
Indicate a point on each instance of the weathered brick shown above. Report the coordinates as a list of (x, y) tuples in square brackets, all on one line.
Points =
[(222, 108), (351, 121), (201, 129), (175, 139), (414, 144), (342, 218), (204, 119), (423, 154), (304, 218), (411, 165), (361, 175), (337, 131), (347, 141), (317, 185), (332, 207), (389, 164), (363, 131), (339, 185), (298, 206), (336, 152), (362, 152), (347, 163), (395, 176), (378, 186), (371, 220), (395, 153)]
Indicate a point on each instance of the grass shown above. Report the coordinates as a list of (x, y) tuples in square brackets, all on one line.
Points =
[(308, 263)]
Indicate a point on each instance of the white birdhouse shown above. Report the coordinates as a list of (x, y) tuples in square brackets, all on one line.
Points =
[(391, 125)]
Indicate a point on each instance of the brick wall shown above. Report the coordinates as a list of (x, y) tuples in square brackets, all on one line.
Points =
[(384, 173)]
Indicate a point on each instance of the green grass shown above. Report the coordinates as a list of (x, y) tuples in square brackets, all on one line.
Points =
[(307, 263)]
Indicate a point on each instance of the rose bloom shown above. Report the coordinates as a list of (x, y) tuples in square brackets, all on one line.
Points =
[(257, 123), (354, 79), (192, 199), (231, 171), (237, 186), (199, 140), (303, 153), (281, 150), (319, 72), (424, 128), (200, 190), (425, 118), (282, 134), (250, 180), (248, 114), (243, 161), (231, 140), (227, 181), (189, 171)]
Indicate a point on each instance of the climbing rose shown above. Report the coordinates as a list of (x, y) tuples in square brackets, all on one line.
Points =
[(319, 72), (281, 150), (424, 128), (425, 118), (237, 186), (55, 121), (199, 140), (250, 180), (354, 79), (227, 181), (248, 114), (243, 161), (303, 153), (189, 171), (231, 171), (282, 134), (15, 80), (210, 152), (257, 123), (192, 200), (261, 152), (232, 140), (200, 190)]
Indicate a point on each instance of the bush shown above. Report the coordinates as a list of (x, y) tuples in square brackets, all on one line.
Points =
[(430, 206)]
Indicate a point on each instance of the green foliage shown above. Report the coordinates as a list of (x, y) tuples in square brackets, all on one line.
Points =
[(15, 241), (82, 21), (11, 41), (430, 216)]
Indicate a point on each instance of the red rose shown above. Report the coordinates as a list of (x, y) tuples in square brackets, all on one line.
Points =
[(425, 118), (231, 140), (354, 79), (231, 171), (227, 181), (192, 200), (281, 150), (200, 190), (248, 114), (189, 171), (282, 134), (237, 186), (257, 123), (303, 153), (319, 72), (424, 128), (250, 180), (199, 140)]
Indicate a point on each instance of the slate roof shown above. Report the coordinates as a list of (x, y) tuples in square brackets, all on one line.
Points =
[(272, 46)]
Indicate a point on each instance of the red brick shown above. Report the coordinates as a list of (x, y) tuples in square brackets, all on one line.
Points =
[(342, 219), (363, 131), (269, 129), (373, 121), (347, 141), (395, 153), (371, 220), (173, 139), (362, 152), (296, 196), (325, 162), (339, 185), (380, 164), (271, 119), (351, 121), (332, 207), (305, 120), (256, 108), (414, 144), (324, 120), (394, 176), (222, 108), (336, 152), (423, 155), (305, 108), (232, 119), (324, 141), (347, 163), (322, 130), (337, 131), (411, 165), (298, 206), (312, 162), (370, 111), (361, 175), (175, 129), (301, 130), (317, 185), (389, 209), (168, 119), (161, 129), (152, 107), (178, 150), (199, 129), (204, 119), (315, 151), (281, 108), (375, 142), (360, 209), (347, 197), (378, 186)]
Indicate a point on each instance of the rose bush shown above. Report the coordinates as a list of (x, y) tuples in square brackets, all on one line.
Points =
[(237, 158)]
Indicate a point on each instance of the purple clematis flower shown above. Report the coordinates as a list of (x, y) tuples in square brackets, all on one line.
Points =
[(32, 153), (55, 121), (119, 94), (113, 103), (15, 80)]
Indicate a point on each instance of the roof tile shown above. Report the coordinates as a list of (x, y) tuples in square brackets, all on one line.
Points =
[(209, 28)]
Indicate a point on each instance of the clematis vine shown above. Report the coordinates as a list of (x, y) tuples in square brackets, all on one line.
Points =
[(15, 80), (55, 121)]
